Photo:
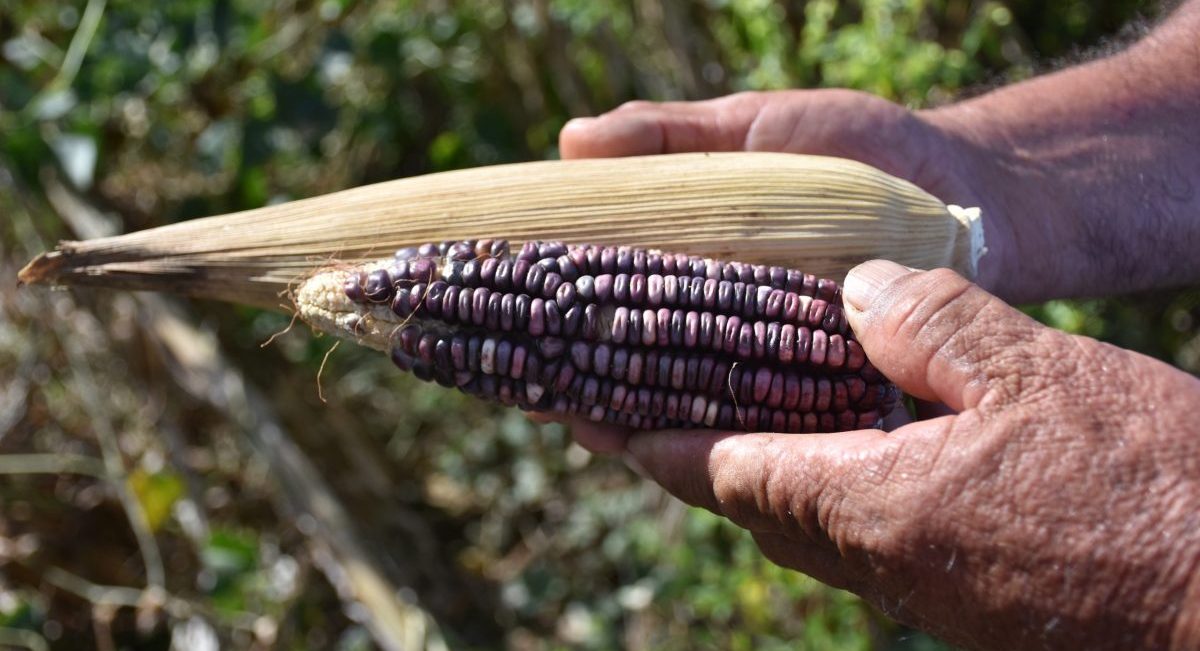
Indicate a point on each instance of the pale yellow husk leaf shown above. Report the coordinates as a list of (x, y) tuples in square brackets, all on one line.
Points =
[(818, 214)]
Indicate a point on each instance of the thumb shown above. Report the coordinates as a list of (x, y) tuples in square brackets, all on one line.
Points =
[(940, 337)]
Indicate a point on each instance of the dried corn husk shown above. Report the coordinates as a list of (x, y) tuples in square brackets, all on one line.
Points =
[(821, 214)]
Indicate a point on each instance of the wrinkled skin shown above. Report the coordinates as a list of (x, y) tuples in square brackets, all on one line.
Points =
[(830, 122), (1059, 508), (1050, 497)]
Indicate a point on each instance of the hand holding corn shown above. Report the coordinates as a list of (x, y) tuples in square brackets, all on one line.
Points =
[(966, 525), (1052, 499)]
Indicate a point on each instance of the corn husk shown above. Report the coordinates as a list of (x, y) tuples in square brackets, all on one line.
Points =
[(819, 214)]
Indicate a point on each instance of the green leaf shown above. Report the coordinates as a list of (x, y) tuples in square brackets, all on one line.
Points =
[(157, 493), (230, 553)]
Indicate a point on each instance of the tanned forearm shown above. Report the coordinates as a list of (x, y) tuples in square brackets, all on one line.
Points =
[(1096, 170)]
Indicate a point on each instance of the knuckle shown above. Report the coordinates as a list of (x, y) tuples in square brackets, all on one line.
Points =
[(727, 468), (758, 485), (928, 308), (944, 324), (829, 511), (943, 277), (723, 484), (1027, 369), (919, 299)]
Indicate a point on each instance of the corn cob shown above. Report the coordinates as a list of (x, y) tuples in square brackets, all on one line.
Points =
[(629, 336)]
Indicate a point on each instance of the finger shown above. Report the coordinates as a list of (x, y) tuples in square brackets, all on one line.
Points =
[(644, 128), (829, 122), (818, 561), (600, 438), (774, 483), (939, 337)]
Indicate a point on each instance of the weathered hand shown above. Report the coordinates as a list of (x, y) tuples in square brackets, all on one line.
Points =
[(848, 124), (1086, 177), (827, 122), (1059, 508)]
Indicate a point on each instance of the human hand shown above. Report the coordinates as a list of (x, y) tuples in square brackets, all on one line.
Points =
[(831, 122), (919, 147), (1059, 508)]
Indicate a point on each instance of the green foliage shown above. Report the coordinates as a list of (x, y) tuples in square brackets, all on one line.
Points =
[(888, 53), (231, 557), (157, 493), (20, 611)]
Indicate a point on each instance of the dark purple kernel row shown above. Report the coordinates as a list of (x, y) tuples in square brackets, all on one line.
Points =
[(707, 375), (785, 343), (456, 249), (573, 261), (506, 312), (593, 260), (637, 290), (615, 402), (686, 412), (658, 409), (724, 296)]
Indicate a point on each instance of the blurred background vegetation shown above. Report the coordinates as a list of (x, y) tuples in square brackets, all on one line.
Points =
[(168, 483)]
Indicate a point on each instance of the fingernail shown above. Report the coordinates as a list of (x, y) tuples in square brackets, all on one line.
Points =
[(864, 281)]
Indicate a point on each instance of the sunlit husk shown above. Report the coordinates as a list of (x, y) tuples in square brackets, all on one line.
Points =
[(823, 215)]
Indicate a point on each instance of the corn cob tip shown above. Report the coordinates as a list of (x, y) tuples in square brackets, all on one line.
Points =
[(321, 302)]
